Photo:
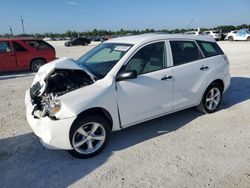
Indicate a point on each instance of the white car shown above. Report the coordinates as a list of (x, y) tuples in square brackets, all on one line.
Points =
[(74, 105), (213, 33), (193, 33), (241, 35)]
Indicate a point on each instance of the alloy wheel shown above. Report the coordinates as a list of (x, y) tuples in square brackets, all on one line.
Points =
[(213, 98), (88, 138)]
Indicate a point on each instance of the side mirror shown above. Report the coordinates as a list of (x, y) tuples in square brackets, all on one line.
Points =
[(126, 75)]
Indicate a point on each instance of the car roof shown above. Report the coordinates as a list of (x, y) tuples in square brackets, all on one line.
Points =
[(144, 38), (191, 31), (211, 30)]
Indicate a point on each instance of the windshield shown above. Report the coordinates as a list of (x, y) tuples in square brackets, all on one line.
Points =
[(247, 31), (101, 59), (216, 32)]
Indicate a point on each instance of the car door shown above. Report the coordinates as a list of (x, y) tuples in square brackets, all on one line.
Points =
[(150, 94), (190, 72), (240, 35), (22, 55), (7, 57), (78, 41)]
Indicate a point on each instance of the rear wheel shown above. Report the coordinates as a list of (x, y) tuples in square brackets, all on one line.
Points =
[(211, 99), (89, 136), (248, 38), (36, 64), (231, 38)]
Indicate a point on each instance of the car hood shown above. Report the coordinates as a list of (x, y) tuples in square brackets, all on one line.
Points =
[(60, 64)]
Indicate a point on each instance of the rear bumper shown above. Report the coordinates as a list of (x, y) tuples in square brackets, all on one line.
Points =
[(53, 134)]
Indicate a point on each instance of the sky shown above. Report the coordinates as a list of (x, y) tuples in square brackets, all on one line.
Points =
[(41, 16)]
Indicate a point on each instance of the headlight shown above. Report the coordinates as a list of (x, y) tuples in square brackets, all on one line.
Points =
[(53, 107)]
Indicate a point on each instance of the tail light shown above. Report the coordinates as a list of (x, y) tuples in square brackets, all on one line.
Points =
[(226, 59)]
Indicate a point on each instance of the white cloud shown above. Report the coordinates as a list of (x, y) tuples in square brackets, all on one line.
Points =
[(72, 3)]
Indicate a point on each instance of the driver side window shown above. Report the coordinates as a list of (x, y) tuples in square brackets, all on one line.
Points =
[(148, 59)]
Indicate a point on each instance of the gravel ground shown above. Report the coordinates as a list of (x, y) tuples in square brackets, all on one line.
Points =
[(185, 149)]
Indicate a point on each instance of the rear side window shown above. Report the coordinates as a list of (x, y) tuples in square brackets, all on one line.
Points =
[(38, 44), (210, 48), (184, 52), (5, 47), (18, 48)]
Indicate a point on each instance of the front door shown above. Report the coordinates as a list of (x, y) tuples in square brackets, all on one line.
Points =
[(150, 94), (7, 57), (240, 35), (22, 55)]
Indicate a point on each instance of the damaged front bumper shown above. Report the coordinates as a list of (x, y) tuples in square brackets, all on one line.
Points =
[(53, 134)]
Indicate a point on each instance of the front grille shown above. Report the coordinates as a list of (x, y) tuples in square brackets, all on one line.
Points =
[(35, 90)]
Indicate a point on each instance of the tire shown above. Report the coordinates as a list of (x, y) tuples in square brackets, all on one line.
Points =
[(211, 99), (36, 64), (231, 38), (89, 136), (248, 38)]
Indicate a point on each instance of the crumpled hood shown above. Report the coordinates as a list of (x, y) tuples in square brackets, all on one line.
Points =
[(61, 63)]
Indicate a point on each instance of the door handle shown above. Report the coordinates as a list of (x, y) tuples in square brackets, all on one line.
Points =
[(168, 77), (204, 68)]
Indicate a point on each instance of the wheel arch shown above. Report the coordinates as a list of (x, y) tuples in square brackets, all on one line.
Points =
[(216, 81), (97, 111), (220, 83), (35, 58)]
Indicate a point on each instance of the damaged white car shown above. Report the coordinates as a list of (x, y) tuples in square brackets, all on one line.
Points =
[(74, 105)]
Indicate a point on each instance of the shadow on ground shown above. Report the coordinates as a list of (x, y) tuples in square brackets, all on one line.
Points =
[(12, 75), (24, 158)]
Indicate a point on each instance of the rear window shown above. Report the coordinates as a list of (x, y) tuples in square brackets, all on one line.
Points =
[(38, 44), (210, 48)]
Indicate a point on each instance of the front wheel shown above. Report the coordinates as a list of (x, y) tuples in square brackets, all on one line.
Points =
[(248, 38), (211, 99), (89, 136)]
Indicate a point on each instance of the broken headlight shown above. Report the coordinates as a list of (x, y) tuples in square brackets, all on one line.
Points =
[(53, 107)]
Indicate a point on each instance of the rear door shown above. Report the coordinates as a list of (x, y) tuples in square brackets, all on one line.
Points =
[(190, 72), (7, 57)]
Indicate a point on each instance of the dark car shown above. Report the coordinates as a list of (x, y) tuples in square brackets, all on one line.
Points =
[(78, 41), (24, 53)]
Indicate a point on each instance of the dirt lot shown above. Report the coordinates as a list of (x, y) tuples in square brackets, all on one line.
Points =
[(185, 149)]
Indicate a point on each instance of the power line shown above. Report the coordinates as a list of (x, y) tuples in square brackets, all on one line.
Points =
[(190, 23)]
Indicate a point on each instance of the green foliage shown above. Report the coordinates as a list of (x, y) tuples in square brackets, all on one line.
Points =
[(121, 32)]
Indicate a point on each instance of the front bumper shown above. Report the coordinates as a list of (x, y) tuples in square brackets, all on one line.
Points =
[(53, 134)]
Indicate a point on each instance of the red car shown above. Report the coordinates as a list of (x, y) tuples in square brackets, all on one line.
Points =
[(24, 54)]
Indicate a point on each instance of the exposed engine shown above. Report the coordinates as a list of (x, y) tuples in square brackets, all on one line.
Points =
[(59, 82)]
